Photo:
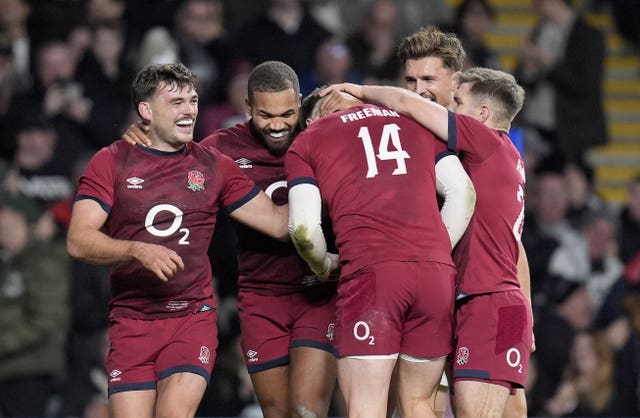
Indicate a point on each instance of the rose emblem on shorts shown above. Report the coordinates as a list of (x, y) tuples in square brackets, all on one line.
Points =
[(205, 355), (195, 180), (330, 331), (462, 357)]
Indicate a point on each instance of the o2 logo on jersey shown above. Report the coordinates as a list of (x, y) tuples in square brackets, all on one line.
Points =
[(362, 332), (172, 229), (514, 358)]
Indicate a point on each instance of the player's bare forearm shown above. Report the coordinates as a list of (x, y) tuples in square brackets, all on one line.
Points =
[(86, 242), (262, 214), (428, 113)]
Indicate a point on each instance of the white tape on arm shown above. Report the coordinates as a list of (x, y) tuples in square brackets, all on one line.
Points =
[(455, 187), (305, 227)]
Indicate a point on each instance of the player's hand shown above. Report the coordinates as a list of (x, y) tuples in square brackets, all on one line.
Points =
[(136, 134), (533, 342), (333, 274), (336, 101), (162, 261), (355, 90)]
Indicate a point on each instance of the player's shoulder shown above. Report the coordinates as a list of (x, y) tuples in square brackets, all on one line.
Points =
[(228, 137)]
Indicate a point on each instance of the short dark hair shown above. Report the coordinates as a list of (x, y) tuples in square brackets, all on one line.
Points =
[(499, 87), (310, 104), (432, 42), (151, 77), (272, 77)]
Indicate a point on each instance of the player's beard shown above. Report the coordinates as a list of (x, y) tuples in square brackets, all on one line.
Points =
[(275, 147)]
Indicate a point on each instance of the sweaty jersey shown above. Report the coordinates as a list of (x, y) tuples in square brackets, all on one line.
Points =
[(487, 254), (266, 266), (376, 173), (169, 199)]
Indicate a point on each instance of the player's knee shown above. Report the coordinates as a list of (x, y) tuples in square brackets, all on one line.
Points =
[(302, 411)]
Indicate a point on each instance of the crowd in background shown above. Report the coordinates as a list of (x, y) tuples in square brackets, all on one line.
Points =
[(65, 71)]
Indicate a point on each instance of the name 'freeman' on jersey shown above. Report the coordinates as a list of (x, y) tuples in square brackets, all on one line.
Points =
[(367, 113)]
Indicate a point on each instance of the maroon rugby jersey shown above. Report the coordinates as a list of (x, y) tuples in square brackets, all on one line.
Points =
[(376, 174), (165, 198), (487, 254), (266, 266)]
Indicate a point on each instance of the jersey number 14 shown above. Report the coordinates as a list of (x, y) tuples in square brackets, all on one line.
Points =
[(389, 132)]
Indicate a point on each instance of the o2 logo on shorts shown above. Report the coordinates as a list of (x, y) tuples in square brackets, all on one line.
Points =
[(513, 358), (362, 332)]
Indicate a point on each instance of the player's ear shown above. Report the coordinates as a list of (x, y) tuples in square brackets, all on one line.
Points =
[(484, 113), (247, 103), (144, 110)]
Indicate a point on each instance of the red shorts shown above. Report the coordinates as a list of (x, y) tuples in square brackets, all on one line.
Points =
[(143, 352), (271, 325), (493, 338), (396, 307)]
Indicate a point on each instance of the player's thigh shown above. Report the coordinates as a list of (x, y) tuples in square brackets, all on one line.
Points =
[(179, 395), (480, 399), (135, 403), (312, 379), (418, 380), (516, 405), (272, 390), (365, 381)]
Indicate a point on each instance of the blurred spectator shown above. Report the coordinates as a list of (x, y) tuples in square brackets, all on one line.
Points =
[(56, 96), (228, 112), (412, 14), (563, 79), (13, 26), (33, 316), (554, 248), (568, 312), (199, 41), (53, 19), (99, 11), (38, 171), (105, 76), (629, 233), (333, 64), (286, 32), (89, 296), (474, 20), (590, 388), (142, 15), (373, 45), (583, 200), (606, 268)]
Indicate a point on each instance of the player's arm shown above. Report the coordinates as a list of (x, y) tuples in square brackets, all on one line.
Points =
[(86, 242), (426, 112), (305, 228), (263, 215), (524, 277), (455, 187)]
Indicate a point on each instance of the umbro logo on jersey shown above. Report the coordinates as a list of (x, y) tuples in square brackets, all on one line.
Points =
[(134, 183), (244, 163)]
